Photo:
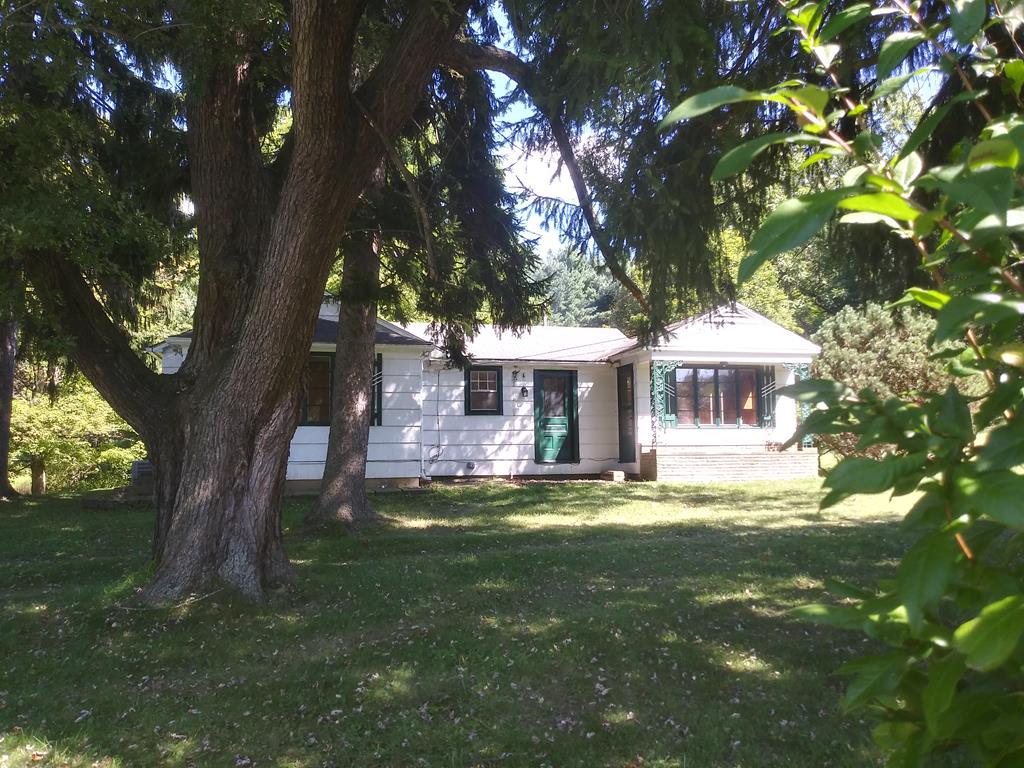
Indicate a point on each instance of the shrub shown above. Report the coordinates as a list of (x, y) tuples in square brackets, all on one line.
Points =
[(883, 350), (80, 441)]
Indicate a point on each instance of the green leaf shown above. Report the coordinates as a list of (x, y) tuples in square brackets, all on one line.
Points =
[(813, 390), (923, 575), (980, 309), (895, 49), (997, 495), (989, 639), (1010, 354), (863, 217), (856, 474), (707, 101), (737, 159), (953, 418), (993, 153), (929, 298), (843, 20), (1004, 448), (893, 84), (882, 203), (874, 675), (927, 127), (812, 97), (943, 677), (907, 169), (817, 157), (966, 16), (988, 190), (790, 225), (1014, 72), (807, 17)]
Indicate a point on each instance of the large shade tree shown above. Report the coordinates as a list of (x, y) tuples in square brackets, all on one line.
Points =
[(267, 232), (142, 102)]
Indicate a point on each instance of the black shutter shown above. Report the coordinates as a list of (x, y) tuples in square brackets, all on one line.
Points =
[(377, 392)]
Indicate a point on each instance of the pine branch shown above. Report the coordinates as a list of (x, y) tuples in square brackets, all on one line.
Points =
[(465, 57)]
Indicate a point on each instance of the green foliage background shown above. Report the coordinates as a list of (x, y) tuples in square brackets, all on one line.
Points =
[(84, 445)]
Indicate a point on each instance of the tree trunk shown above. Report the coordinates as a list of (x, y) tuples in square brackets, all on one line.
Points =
[(8, 358), (224, 497), (37, 467), (343, 496)]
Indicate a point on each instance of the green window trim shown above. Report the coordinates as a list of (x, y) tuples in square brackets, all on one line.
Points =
[(498, 410), (664, 397), (376, 393)]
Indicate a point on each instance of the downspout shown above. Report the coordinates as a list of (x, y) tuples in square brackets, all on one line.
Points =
[(425, 359)]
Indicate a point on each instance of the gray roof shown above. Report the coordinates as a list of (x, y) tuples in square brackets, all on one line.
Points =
[(326, 332)]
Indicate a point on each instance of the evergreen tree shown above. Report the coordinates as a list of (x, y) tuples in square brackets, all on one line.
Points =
[(578, 294)]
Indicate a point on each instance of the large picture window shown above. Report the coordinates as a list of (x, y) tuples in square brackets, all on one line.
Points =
[(318, 385), (720, 396), (483, 390)]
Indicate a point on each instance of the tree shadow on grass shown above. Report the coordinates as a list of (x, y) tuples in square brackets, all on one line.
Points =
[(589, 645)]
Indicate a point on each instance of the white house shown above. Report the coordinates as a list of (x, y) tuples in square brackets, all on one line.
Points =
[(700, 405)]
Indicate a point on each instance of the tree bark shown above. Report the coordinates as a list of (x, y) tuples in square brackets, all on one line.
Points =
[(343, 499), (37, 466), (8, 360), (225, 524)]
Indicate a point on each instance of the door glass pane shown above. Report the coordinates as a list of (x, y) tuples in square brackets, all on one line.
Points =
[(727, 395), (706, 395), (748, 395), (554, 396), (684, 396)]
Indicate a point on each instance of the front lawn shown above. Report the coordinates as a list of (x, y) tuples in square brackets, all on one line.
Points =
[(577, 624)]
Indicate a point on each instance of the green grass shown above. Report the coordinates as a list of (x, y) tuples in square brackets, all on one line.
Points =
[(578, 624)]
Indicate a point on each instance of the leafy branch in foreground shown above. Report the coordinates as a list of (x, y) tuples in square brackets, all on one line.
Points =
[(953, 678)]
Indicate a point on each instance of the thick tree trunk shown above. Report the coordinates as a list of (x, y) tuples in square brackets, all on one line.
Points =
[(37, 467), (343, 496), (8, 359), (224, 520)]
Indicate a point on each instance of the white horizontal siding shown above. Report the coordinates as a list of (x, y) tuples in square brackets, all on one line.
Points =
[(504, 444), (394, 446)]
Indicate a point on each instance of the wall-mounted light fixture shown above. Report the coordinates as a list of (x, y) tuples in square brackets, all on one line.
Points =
[(524, 392)]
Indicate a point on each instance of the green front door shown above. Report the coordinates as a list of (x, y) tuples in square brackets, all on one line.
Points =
[(556, 431)]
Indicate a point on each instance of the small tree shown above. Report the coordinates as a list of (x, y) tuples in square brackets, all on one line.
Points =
[(953, 617)]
